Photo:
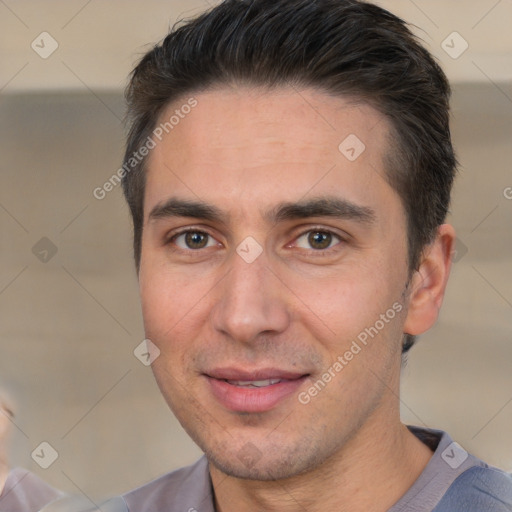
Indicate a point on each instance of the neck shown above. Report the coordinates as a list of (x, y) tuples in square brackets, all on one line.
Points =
[(369, 474)]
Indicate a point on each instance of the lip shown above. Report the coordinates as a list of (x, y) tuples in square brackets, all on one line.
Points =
[(253, 400)]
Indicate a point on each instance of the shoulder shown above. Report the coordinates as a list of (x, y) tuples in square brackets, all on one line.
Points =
[(25, 492), (187, 489), (481, 487), (455, 480)]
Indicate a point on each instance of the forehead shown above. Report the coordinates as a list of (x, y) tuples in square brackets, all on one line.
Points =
[(255, 145), (283, 117)]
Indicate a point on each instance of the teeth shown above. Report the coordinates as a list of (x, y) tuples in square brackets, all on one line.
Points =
[(254, 383)]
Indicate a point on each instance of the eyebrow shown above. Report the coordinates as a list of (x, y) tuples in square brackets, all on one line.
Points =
[(186, 208), (323, 207), (318, 207)]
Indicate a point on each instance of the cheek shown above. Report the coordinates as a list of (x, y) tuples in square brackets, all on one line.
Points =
[(344, 299), (173, 307), (362, 306), (160, 307)]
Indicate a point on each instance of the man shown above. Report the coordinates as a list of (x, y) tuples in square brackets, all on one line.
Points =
[(288, 170), (20, 490)]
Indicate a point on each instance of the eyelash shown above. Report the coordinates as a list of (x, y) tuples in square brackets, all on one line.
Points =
[(316, 252)]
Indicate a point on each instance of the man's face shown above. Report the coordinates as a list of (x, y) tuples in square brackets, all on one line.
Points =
[(300, 251)]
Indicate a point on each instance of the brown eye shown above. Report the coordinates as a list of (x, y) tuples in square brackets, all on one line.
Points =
[(196, 240), (319, 239), (193, 240)]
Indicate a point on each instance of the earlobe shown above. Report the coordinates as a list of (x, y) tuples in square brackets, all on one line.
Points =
[(428, 283)]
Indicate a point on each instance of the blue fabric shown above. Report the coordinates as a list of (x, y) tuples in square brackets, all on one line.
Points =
[(479, 489)]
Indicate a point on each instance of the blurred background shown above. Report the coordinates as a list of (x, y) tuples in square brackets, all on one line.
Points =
[(69, 309)]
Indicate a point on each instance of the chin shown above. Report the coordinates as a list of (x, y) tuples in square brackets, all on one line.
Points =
[(266, 462), (269, 471)]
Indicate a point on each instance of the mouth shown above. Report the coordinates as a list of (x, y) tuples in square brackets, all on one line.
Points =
[(254, 383), (253, 391)]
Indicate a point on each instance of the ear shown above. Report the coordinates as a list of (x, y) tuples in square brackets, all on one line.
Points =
[(428, 283)]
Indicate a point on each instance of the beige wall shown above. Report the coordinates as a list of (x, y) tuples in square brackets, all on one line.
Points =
[(99, 40), (68, 327)]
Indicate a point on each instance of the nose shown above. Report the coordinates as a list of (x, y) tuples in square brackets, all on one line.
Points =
[(251, 301)]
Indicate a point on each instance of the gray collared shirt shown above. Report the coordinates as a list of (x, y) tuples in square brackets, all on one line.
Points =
[(452, 481)]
